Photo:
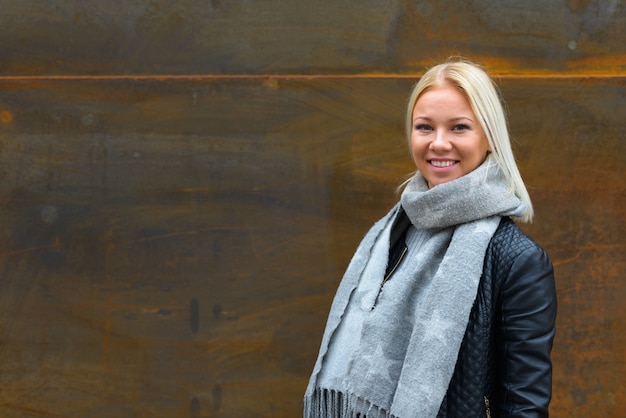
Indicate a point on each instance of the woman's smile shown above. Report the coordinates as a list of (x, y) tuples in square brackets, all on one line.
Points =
[(442, 164)]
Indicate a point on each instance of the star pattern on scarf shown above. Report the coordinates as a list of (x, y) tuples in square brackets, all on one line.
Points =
[(364, 299), (437, 328), (377, 358)]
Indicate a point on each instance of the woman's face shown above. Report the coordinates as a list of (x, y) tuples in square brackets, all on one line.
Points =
[(447, 140)]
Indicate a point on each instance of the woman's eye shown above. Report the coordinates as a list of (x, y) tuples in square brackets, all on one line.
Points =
[(423, 127), (460, 127)]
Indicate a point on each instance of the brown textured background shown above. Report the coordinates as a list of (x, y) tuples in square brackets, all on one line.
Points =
[(183, 183)]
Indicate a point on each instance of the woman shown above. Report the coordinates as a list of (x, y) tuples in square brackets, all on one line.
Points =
[(447, 308)]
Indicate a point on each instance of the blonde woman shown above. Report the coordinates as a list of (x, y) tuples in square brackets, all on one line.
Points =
[(447, 308)]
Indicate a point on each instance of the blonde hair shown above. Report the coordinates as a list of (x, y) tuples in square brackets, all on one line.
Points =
[(485, 100)]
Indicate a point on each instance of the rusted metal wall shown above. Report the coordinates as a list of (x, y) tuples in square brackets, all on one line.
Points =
[(183, 183)]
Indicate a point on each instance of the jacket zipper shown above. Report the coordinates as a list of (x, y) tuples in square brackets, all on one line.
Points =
[(487, 408), (388, 276)]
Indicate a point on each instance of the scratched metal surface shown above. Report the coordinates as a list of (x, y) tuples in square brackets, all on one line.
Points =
[(174, 221)]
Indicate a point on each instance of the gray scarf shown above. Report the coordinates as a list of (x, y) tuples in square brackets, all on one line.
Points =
[(408, 346)]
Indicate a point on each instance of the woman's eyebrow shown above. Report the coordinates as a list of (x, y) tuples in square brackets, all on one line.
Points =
[(454, 119)]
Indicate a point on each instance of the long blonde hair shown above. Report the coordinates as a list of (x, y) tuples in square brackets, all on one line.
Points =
[(485, 100)]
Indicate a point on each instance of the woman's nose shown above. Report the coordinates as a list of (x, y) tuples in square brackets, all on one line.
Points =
[(440, 141)]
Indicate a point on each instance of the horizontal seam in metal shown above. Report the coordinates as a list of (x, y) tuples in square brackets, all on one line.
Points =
[(209, 77)]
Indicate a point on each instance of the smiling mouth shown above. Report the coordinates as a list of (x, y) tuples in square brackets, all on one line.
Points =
[(442, 164)]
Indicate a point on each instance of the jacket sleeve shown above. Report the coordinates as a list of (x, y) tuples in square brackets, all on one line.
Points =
[(527, 329)]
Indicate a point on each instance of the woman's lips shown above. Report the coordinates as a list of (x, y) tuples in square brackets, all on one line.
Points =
[(442, 163)]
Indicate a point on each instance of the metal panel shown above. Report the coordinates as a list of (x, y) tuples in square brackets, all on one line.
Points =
[(176, 217), (303, 37)]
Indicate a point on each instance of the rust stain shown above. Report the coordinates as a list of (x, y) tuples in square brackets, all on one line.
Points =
[(559, 262), (57, 244), (6, 116), (29, 410), (107, 257), (106, 338), (611, 61), (192, 190), (214, 346), (271, 83), (166, 236)]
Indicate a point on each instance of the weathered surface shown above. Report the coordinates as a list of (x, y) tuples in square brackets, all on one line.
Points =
[(303, 37), (170, 245)]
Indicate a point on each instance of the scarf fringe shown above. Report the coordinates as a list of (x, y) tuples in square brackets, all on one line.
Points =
[(329, 403)]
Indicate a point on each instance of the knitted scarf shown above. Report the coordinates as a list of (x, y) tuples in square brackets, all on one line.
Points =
[(409, 344)]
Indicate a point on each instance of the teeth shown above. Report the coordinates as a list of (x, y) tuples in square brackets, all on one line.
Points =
[(442, 163)]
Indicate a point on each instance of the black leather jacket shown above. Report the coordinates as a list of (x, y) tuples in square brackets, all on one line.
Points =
[(504, 367)]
